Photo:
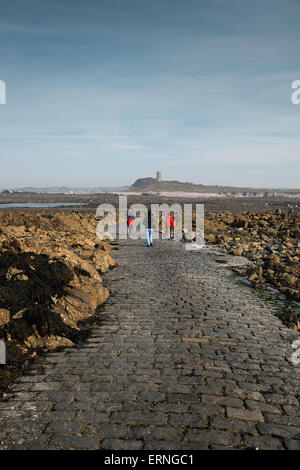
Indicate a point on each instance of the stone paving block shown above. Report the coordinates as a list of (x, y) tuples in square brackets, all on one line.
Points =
[(164, 445), (180, 398), (91, 417), (263, 407), (138, 417), (262, 443), (292, 444), (211, 436), (138, 405), (146, 433), (243, 414), (282, 419), (279, 430), (233, 425), (221, 400), (74, 442), (60, 427), (188, 419), (107, 430), (121, 444)]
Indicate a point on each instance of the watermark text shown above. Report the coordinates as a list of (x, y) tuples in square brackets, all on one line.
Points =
[(165, 221), (296, 95), (2, 92), (2, 352)]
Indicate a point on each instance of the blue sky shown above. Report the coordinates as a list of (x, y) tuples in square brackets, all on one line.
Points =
[(102, 92)]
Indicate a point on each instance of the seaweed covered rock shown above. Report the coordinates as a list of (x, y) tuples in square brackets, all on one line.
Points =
[(50, 279), (270, 241)]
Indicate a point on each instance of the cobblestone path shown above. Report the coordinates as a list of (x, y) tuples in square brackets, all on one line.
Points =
[(183, 358)]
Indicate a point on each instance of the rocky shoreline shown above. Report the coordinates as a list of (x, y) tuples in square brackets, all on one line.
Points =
[(271, 243), (50, 280)]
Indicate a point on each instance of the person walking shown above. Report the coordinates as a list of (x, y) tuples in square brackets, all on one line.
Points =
[(170, 223), (149, 230), (130, 220)]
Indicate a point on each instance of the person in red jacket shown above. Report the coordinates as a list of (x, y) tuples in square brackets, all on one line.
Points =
[(170, 225), (130, 220)]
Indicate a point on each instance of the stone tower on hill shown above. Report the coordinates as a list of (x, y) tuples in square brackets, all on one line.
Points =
[(158, 176)]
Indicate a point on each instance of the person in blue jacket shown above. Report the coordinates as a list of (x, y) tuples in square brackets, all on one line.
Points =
[(149, 230)]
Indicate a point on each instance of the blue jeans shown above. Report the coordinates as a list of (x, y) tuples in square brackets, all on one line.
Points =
[(149, 236)]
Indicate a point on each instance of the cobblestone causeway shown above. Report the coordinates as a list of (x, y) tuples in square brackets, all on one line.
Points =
[(183, 358)]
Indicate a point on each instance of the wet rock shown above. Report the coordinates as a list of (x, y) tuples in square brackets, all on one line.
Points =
[(269, 240), (4, 316), (189, 236), (49, 280)]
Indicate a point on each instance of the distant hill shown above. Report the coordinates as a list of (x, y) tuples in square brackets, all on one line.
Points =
[(152, 185), (67, 190)]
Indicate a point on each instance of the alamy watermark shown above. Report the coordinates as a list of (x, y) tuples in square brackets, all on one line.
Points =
[(2, 92), (2, 352), (296, 95), (186, 224)]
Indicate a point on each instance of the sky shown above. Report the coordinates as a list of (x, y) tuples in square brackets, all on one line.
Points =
[(102, 92)]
